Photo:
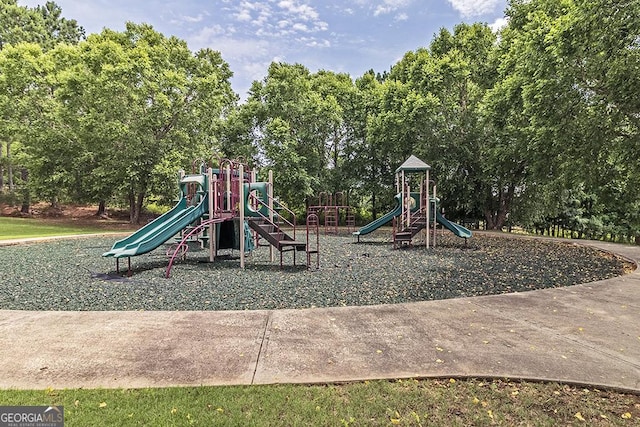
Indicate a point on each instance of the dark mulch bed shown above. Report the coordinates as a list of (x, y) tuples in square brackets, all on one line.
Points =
[(72, 275)]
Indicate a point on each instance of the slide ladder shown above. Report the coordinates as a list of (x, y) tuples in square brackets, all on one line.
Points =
[(330, 220), (350, 220)]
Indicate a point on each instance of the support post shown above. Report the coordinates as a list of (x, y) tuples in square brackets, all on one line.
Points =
[(435, 211), (227, 194), (272, 254), (428, 209), (404, 200), (212, 212), (241, 202), (423, 206)]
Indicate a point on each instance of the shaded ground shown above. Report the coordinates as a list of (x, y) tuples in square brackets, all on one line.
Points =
[(75, 215), (72, 275)]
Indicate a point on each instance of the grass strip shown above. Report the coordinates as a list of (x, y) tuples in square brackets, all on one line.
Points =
[(402, 402), (22, 228)]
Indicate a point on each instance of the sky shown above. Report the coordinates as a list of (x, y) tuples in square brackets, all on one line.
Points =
[(344, 36)]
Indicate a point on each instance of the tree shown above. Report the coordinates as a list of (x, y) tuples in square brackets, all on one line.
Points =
[(126, 103), (451, 77), (295, 123), (44, 26), (568, 69), (23, 99), (338, 92)]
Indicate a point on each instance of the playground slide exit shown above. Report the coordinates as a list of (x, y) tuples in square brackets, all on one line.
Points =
[(456, 229), (159, 230)]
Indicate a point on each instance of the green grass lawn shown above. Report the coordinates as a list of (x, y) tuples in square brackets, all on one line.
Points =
[(20, 228), (444, 402)]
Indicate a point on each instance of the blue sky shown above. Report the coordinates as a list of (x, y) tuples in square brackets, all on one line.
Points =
[(350, 36)]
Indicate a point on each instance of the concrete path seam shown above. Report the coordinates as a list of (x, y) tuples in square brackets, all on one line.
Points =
[(263, 345)]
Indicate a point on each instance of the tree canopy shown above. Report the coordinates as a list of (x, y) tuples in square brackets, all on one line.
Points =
[(536, 125)]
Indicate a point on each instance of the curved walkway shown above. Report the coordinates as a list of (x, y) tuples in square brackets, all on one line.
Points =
[(585, 334)]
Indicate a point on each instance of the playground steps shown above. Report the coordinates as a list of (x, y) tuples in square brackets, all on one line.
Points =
[(276, 237), (406, 235)]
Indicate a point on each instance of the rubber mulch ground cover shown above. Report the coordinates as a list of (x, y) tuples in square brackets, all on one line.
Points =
[(72, 274)]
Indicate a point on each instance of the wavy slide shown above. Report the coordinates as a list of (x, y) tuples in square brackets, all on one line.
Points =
[(159, 230)]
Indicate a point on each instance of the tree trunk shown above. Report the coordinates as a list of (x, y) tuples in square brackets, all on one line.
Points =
[(102, 209), (496, 213), (135, 206), (1, 170), (55, 202), (26, 196), (9, 168), (139, 204), (133, 219), (374, 210), (488, 219)]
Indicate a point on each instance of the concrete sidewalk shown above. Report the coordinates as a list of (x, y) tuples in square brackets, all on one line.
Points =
[(585, 334)]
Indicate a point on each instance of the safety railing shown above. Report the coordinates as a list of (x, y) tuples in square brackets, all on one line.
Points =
[(181, 248), (278, 219)]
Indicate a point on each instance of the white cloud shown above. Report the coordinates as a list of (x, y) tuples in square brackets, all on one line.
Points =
[(207, 34), (401, 17), (499, 24), (187, 20), (279, 18), (243, 15), (468, 8), (221, 38), (246, 11), (321, 26), (192, 19), (390, 6), (382, 10), (313, 42), (303, 11)]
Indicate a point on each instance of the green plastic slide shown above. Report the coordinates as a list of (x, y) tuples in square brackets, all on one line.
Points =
[(159, 230), (456, 229), (374, 225)]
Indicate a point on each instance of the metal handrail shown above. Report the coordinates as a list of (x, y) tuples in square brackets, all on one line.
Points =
[(184, 247), (280, 217), (314, 217)]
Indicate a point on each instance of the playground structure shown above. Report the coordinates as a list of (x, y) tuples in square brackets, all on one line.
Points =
[(223, 208), (414, 212), (332, 208)]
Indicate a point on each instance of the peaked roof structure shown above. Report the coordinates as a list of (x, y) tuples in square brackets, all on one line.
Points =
[(413, 164)]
